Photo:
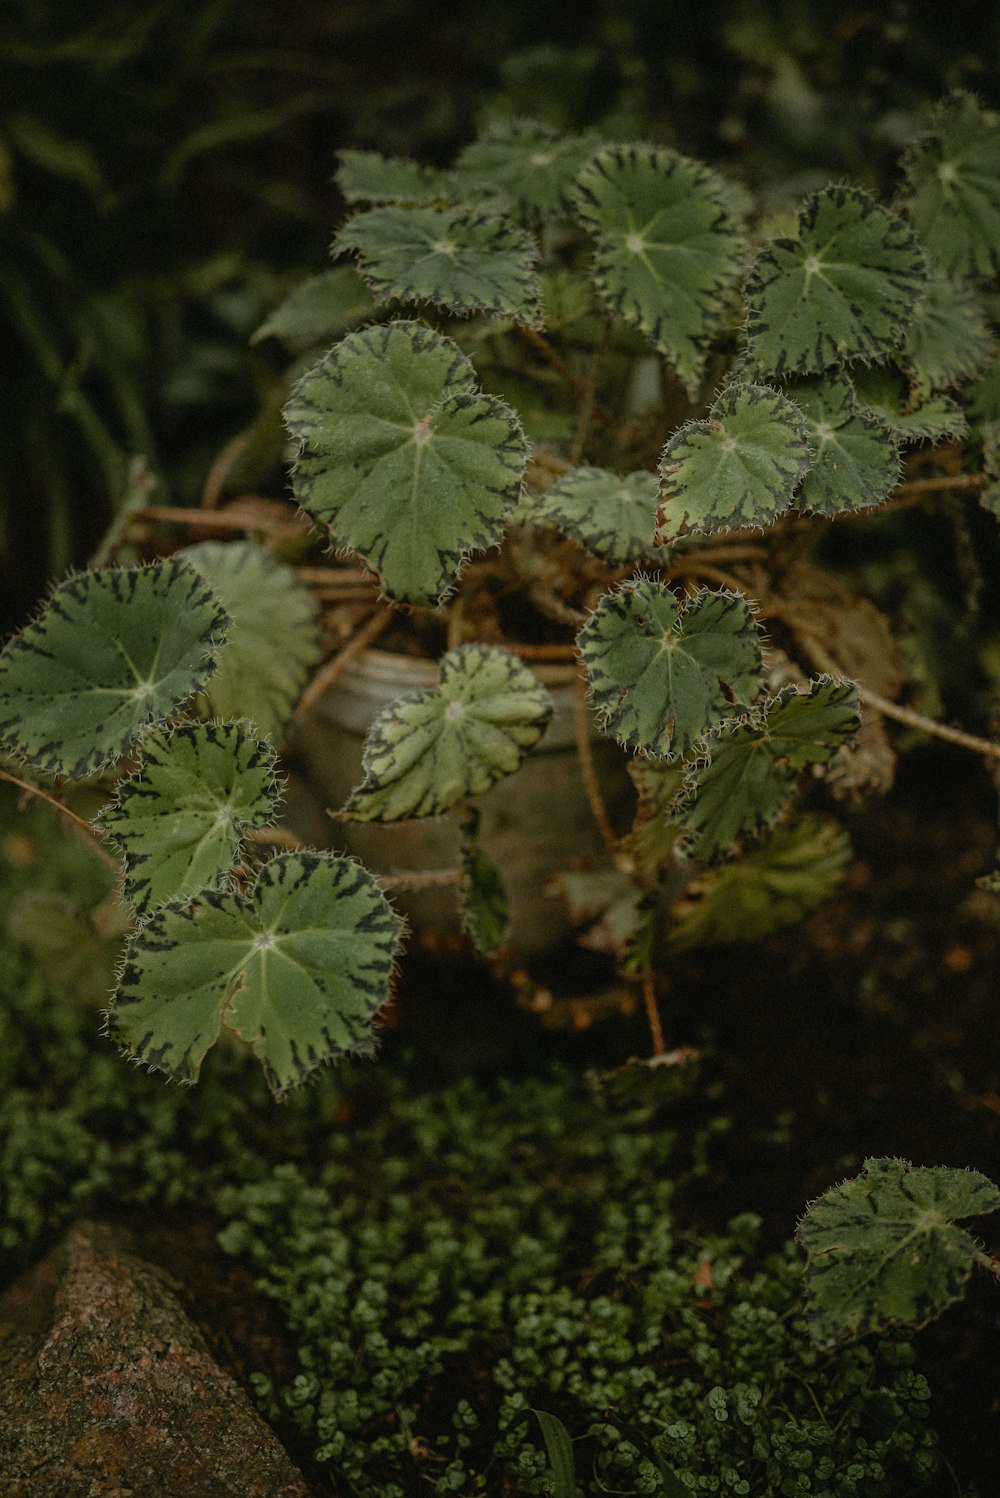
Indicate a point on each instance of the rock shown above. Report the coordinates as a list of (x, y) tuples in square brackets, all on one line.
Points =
[(108, 1389)]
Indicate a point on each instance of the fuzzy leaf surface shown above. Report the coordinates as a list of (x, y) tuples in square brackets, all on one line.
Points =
[(885, 393), (948, 340), (883, 1249), (111, 652), (663, 676), (323, 307), (299, 969), (952, 181), (611, 516), (178, 823), (525, 165), (431, 748), (752, 771), (464, 262), (774, 885), (855, 462), (273, 642), (846, 288), (402, 458), (368, 177), (667, 250), (738, 468)]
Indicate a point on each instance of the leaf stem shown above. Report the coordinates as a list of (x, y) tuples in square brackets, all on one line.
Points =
[(581, 720), (83, 829), (369, 632), (420, 879), (653, 1013)]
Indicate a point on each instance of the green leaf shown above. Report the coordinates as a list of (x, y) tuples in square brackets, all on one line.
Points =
[(367, 177), (299, 969), (855, 462), (559, 1446), (885, 393), (429, 749), (948, 340), (405, 460), (273, 641), (462, 261), (738, 468), (663, 676), (65, 942), (526, 166), (652, 842), (483, 901), (178, 823), (111, 652), (611, 516), (666, 250), (323, 307), (752, 771), (883, 1249), (846, 288), (63, 156), (952, 178), (774, 885)]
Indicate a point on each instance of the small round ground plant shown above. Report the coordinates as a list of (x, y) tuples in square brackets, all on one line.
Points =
[(585, 401)]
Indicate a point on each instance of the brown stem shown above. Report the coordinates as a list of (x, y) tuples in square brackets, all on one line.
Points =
[(369, 632), (217, 474), (892, 709), (588, 402), (943, 481), (219, 520), (543, 652), (420, 879), (83, 829), (653, 1014), (273, 837), (581, 718), (335, 579), (693, 567)]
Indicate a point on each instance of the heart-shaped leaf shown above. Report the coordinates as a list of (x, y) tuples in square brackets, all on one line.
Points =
[(846, 288), (855, 462), (738, 468), (883, 1249), (463, 261), (179, 821), (403, 458), (299, 969), (111, 652), (949, 339), (952, 180), (777, 883), (662, 676), (752, 769), (272, 644), (885, 393), (429, 749), (611, 516), (667, 251)]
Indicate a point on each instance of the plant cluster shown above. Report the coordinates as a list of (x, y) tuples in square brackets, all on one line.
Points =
[(471, 1296)]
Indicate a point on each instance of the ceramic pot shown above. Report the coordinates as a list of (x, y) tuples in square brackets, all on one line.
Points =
[(533, 824)]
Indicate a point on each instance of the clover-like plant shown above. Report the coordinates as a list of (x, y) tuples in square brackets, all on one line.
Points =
[(580, 404)]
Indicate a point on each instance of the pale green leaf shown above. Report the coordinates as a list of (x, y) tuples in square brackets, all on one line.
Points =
[(300, 969), (178, 823), (774, 885), (948, 340), (752, 770), (663, 676), (883, 1249), (846, 288), (667, 251), (323, 307), (111, 652), (952, 187), (462, 261), (855, 462), (403, 458), (273, 641), (885, 393), (367, 177), (525, 165), (429, 749), (738, 468), (611, 516)]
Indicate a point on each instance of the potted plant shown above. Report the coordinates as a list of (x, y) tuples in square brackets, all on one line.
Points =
[(592, 406)]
